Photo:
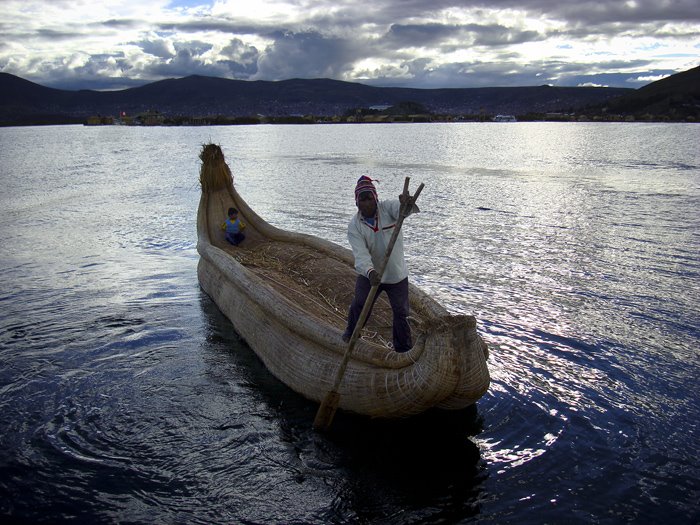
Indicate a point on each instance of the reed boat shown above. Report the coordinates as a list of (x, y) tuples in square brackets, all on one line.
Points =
[(287, 295)]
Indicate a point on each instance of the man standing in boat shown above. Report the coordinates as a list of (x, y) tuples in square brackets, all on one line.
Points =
[(369, 233)]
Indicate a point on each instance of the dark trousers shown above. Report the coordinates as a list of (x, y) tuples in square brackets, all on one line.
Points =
[(235, 238), (398, 298)]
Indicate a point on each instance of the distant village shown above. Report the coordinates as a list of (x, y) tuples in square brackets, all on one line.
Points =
[(373, 114)]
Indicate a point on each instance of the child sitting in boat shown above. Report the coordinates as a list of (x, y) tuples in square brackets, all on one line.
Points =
[(233, 227)]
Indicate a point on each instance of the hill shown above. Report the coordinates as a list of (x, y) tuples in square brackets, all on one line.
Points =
[(24, 102), (674, 98)]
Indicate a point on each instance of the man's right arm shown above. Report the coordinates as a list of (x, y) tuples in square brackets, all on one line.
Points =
[(363, 259)]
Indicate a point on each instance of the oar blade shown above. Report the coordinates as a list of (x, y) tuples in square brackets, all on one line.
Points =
[(326, 412)]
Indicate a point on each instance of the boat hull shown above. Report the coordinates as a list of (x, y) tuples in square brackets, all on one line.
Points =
[(307, 364), (446, 368)]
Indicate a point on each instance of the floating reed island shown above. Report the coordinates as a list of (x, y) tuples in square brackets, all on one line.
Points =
[(287, 294)]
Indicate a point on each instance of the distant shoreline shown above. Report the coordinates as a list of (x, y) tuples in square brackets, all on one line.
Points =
[(305, 120)]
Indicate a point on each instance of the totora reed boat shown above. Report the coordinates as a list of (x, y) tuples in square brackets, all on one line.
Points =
[(287, 294)]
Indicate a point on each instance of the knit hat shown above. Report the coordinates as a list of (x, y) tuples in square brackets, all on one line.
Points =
[(364, 184)]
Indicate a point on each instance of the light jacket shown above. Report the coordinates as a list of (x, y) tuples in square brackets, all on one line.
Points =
[(369, 243)]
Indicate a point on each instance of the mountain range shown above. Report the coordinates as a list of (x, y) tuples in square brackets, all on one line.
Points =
[(25, 102)]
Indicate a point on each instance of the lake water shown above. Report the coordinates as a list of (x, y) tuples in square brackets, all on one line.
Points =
[(125, 395)]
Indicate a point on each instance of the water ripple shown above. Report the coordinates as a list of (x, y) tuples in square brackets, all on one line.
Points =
[(125, 396)]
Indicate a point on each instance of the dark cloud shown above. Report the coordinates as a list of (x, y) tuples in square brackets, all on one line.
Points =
[(194, 47), (51, 34), (657, 31), (416, 35), (120, 23), (217, 25), (164, 49), (236, 70), (158, 47), (594, 16), (184, 63), (306, 55), (498, 35), (240, 59), (239, 50), (596, 12), (580, 11)]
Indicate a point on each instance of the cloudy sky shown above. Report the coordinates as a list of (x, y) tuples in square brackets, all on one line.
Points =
[(113, 44)]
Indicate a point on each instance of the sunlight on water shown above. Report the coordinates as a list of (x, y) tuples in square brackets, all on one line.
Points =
[(575, 246)]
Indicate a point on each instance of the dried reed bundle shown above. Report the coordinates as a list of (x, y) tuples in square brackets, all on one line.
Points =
[(215, 174), (287, 294)]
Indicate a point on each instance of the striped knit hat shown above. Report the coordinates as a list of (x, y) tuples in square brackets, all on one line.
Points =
[(364, 184)]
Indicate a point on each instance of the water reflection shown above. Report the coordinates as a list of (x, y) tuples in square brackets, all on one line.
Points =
[(125, 394), (378, 469)]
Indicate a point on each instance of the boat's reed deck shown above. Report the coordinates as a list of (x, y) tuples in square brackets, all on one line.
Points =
[(321, 285)]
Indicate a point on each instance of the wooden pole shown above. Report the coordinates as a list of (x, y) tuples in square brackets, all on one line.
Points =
[(326, 412)]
